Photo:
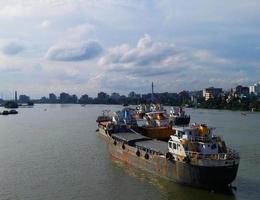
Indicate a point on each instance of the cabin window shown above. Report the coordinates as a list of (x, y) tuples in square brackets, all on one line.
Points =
[(174, 145), (170, 144), (180, 133), (214, 146), (190, 132)]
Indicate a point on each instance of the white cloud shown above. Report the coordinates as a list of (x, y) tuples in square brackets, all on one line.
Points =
[(79, 32), (74, 51), (147, 52), (173, 68), (204, 55), (151, 58), (13, 11)]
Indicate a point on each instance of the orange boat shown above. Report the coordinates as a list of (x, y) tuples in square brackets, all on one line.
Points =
[(156, 126), (159, 133)]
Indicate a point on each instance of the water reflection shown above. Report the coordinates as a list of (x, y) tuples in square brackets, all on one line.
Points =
[(171, 190)]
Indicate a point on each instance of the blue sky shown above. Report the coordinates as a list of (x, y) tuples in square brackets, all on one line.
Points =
[(114, 45)]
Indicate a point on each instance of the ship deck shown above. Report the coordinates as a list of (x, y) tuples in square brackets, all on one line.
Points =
[(153, 145), (129, 137), (142, 142)]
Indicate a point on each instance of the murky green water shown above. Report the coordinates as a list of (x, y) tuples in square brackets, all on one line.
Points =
[(56, 154)]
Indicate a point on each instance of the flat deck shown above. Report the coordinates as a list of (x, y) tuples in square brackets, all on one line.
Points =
[(153, 145), (142, 142), (129, 137)]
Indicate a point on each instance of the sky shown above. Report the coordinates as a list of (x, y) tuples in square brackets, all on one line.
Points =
[(88, 46)]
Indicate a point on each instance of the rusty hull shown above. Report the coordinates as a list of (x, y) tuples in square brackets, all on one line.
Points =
[(177, 171)]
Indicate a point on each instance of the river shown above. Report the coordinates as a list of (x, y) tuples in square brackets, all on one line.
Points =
[(54, 152)]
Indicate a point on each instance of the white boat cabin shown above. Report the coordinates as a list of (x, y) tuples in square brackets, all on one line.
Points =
[(156, 119), (193, 139)]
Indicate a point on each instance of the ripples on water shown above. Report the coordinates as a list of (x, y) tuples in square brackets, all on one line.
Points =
[(56, 154)]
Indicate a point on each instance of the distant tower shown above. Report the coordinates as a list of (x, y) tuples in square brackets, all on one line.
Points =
[(15, 96), (152, 93)]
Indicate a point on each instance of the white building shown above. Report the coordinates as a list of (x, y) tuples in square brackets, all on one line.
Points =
[(255, 89)]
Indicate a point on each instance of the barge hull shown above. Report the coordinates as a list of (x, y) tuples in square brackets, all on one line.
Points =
[(177, 171)]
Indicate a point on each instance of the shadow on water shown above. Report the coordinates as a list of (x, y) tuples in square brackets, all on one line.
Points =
[(171, 190)]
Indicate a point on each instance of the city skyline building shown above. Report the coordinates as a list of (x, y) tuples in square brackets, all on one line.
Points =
[(211, 92), (255, 89)]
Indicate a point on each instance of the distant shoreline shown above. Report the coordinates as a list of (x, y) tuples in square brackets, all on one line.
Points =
[(162, 104)]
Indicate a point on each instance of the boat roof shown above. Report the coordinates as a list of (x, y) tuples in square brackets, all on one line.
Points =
[(153, 145), (182, 128), (187, 128), (155, 112)]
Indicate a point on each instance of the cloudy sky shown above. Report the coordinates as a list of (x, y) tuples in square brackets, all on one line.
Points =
[(87, 46)]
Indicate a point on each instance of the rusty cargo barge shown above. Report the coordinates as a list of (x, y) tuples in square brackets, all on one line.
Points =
[(193, 156)]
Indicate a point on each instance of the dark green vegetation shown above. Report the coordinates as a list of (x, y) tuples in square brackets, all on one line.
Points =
[(234, 103), (11, 104)]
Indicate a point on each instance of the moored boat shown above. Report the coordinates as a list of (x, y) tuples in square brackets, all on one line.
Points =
[(5, 112), (178, 117), (194, 155), (13, 112), (142, 109), (110, 122), (156, 125), (104, 121)]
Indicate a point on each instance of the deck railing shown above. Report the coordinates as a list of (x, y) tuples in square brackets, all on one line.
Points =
[(199, 139), (205, 138), (230, 155)]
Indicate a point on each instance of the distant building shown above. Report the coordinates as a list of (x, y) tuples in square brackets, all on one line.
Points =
[(24, 98), (103, 95), (52, 98), (115, 96), (131, 95), (197, 94), (84, 99), (74, 99), (193, 98), (255, 89), (67, 98), (241, 90), (15, 96), (43, 100), (64, 97), (211, 92), (184, 95)]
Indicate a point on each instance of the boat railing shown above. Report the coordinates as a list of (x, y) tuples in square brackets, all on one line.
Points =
[(205, 138), (199, 139), (230, 155)]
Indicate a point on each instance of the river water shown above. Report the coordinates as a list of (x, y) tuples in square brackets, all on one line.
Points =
[(53, 152)]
